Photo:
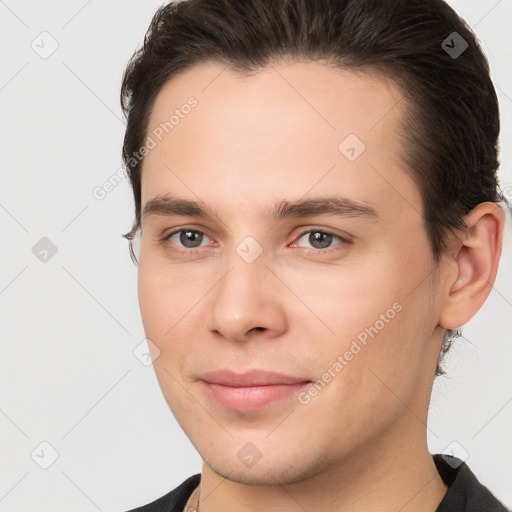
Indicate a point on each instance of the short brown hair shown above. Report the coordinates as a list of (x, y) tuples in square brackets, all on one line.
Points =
[(451, 119)]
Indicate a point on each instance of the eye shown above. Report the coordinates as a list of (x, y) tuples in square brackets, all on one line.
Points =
[(320, 240), (188, 238)]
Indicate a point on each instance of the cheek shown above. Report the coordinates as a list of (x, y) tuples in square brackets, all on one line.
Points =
[(162, 304), (151, 302), (342, 301), (165, 291), (371, 317), (171, 316)]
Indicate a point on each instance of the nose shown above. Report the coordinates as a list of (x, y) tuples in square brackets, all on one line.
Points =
[(247, 300)]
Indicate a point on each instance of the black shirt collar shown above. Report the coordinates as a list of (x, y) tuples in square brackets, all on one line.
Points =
[(465, 492)]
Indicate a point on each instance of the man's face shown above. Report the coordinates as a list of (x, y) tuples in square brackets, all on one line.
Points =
[(342, 299)]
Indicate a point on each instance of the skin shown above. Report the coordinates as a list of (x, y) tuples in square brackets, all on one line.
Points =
[(360, 443)]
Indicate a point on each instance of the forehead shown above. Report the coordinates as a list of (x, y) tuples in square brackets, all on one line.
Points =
[(282, 94), (300, 124)]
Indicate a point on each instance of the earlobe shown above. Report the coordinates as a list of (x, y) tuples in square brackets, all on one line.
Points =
[(476, 265)]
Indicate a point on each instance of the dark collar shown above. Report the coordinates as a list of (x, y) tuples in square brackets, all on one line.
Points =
[(465, 493)]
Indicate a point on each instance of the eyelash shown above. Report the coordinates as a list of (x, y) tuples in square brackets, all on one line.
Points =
[(343, 241)]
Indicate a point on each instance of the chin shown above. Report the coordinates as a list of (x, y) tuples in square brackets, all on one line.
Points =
[(280, 470)]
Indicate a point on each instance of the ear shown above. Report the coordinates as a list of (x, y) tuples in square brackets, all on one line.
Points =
[(475, 265)]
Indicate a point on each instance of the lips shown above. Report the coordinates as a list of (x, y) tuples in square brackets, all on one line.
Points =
[(250, 391), (250, 378)]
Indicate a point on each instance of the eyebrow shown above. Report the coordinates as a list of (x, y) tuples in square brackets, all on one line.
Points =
[(168, 206)]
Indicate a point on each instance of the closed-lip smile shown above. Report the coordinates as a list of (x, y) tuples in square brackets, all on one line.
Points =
[(249, 391)]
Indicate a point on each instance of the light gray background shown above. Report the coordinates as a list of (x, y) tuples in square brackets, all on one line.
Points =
[(68, 329)]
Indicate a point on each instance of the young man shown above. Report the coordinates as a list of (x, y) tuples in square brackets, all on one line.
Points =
[(318, 211)]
